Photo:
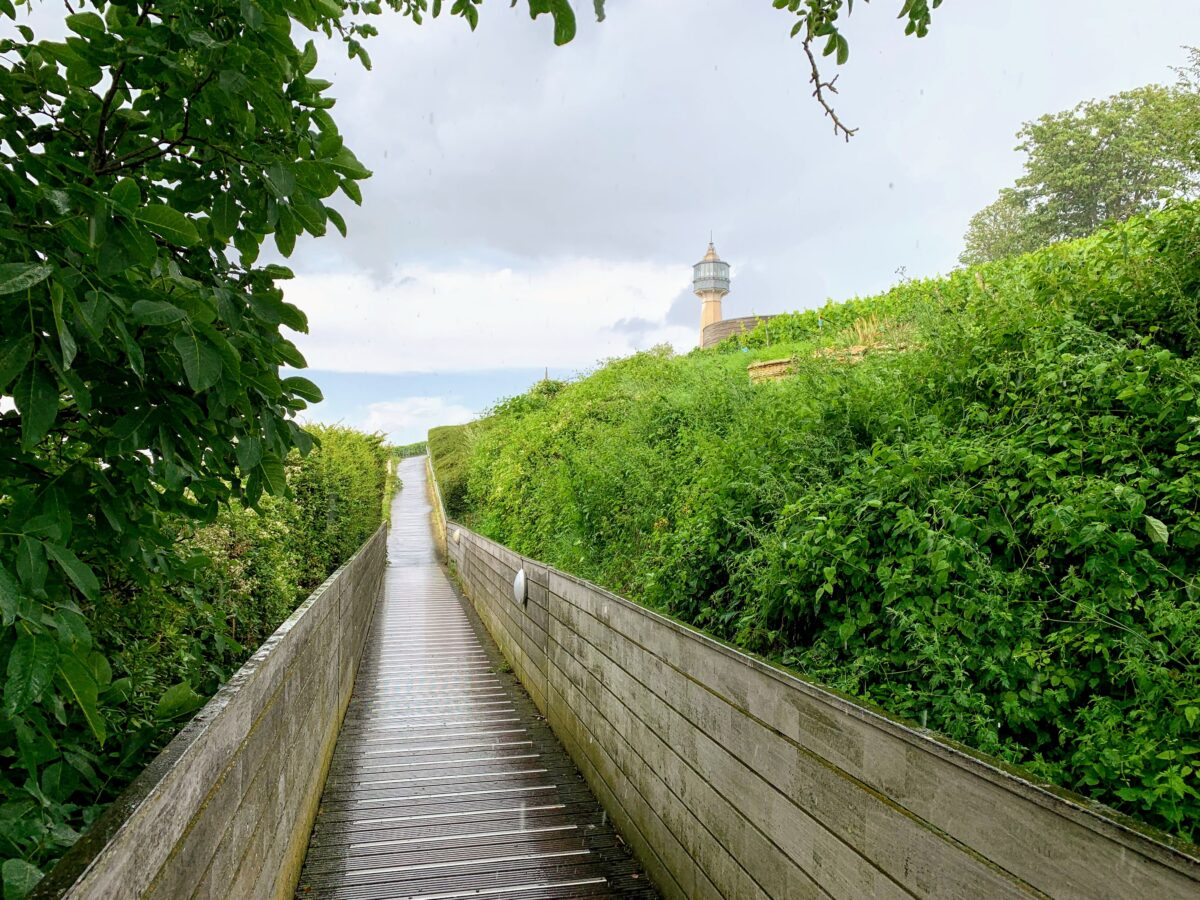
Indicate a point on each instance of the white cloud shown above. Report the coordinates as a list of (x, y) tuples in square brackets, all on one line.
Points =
[(409, 418), (474, 318)]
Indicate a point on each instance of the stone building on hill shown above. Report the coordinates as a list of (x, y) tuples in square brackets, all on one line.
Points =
[(710, 282)]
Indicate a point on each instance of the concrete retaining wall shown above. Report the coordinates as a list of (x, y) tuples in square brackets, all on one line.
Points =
[(226, 809), (732, 778)]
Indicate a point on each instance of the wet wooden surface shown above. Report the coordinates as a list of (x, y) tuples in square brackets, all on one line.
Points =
[(446, 782)]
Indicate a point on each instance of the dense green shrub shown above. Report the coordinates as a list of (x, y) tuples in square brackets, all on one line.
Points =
[(448, 451), (171, 644), (974, 502), (336, 506)]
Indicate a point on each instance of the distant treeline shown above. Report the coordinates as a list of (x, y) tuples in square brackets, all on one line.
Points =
[(407, 450)]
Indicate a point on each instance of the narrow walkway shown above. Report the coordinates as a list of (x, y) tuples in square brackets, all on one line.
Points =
[(445, 781)]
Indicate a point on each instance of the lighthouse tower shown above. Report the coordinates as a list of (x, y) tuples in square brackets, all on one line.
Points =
[(710, 282)]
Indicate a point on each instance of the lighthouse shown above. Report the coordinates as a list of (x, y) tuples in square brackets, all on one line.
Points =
[(710, 282)]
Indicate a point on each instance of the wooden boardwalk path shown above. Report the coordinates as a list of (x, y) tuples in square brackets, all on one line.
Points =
[(445, 782)]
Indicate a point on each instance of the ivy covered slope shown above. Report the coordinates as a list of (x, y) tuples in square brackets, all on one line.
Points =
[(975, 502)]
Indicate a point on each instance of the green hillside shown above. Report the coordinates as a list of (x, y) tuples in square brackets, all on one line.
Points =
[(974, 502)]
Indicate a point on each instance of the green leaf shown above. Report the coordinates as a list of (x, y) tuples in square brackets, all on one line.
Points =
[(20, 878), (253, 15), (177, 700), (126, 195), (564, 17), (249, 452), (347, 164), (168, 223), (308, 59), (156, 312), (273, 475), (66, 340), (31, 563), (86, 24), (101, 670), (353, 191), (225, 214), (309, 213), (127, 426), (10, 596), (137, 243), (72, 628), (20, 276), (285, 241), (137, 360), (304, 388), (14, 356), (55, 507), (280, 180), (83, 689), (1156, 530), (247, 244), (79, 572), (336, 218), (36, 396), (30, 671), (201, 362)]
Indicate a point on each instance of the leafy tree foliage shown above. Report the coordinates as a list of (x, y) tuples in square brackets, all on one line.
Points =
[(1002, 228), (144, 160), (1103, 161), (974, 502)]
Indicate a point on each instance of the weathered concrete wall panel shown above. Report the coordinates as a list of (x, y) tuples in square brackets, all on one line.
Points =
[(226, 809), (730, 777)]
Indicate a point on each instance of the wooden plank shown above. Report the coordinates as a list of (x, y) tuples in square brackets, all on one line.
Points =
[(394, 816), (654, 844), (531, 617), (725, 847), (1001, 817), (817, 861), (729, 747)]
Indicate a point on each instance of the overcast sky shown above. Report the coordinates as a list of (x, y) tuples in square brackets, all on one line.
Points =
[(537, 206)]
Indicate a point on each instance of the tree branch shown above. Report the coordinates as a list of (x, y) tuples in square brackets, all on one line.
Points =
[(820, 87), (141, 156), (99, 152)]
